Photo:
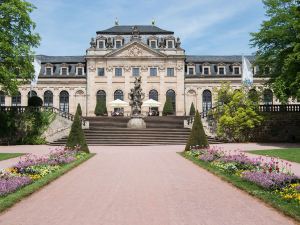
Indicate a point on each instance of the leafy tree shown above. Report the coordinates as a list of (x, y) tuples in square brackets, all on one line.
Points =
[(35, 101), (237, 119), (197, 136), (79, 110), (192, 109), (168, 107), (278, 43), (100, 109), (17, 38), (76, 136)]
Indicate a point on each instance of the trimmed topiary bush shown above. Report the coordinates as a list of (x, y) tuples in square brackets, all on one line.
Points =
[(197, 136), (168, 107), (76, 136), (100, 109), (79, 110), (35, 101), (192, 109)]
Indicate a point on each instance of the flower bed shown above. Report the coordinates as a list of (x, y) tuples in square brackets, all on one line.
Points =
[(274, 175), (32, 168)]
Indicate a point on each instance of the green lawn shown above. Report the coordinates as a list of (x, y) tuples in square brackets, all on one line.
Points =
[(290, 154), (11, 199), (4, 156), (291, 209)]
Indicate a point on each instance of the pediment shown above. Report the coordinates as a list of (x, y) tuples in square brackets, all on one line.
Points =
[(135, 50)]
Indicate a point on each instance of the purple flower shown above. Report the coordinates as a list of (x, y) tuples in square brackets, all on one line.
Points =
[(298, 188), (269, 180), (11, 184)]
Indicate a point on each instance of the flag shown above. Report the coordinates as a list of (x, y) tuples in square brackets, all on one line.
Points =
[(37, 68), (247, 77)]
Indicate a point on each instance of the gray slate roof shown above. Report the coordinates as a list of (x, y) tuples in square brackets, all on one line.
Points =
[(217, 59), (127, 30), (61, 59)]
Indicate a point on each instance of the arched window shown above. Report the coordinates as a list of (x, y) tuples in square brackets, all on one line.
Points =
[(153, 94), (64, 101), (16, 100), (268, 97), (118, 95), (2, 98), (171, 94), (48, 98), (101, 96), (33, 93), (206, 100)]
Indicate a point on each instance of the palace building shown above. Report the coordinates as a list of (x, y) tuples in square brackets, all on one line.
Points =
[(119, 54)]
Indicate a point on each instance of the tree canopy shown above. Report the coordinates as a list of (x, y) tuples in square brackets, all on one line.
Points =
[(278, 43), (17, 38)]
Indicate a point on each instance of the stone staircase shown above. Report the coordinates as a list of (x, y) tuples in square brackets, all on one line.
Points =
[(113, 131)]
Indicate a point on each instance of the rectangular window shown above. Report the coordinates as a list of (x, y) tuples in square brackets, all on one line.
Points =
[(64, 71), (135, 72), (153, 44), (101, 44), (170, 44), (118, 44), (170, 72), (101, 72), (206, 70), (221, 70), (2, 99), (80, 71), (48, 71), (236, 70), (118, 72), (191, 70), (153, 72)]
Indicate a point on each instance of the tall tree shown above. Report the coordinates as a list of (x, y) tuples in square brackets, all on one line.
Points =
[(278, 43), (17, 38)]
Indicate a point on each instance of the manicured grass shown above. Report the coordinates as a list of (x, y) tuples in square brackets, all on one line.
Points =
[(11, 199), (291, 209), (290, 154), (4, 156)]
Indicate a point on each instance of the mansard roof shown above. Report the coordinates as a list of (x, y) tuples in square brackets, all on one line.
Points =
[(217, 59), (127, 30), (61, 59)]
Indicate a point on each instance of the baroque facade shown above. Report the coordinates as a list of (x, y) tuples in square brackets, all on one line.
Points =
[(119, 54)]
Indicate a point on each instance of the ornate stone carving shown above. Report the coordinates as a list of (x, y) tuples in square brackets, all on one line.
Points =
[(92, 68), (136, 97), (161, 43), (144, 68), (109, 43), (109, 68), (178, 43), (126, 68), (93, 43), (179, 67), (161, 67), (134, 51)]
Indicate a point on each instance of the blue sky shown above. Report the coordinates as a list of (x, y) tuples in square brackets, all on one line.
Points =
[(206, 27)]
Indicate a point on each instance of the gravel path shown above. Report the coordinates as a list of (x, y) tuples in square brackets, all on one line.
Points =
[(140, 186)]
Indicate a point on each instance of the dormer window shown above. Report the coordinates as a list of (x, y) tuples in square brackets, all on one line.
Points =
[(236, 70), (170, 44), (221, 70), (206, 70), (118, 44), (101, 44), (48, 71), (64, 70), (153, 44), (80, 71), (191, 70)]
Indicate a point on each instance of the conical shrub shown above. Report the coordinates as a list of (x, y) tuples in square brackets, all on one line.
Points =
[(197, 136), (192, 109), (168, 107), (79, 110), (76, 136)]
